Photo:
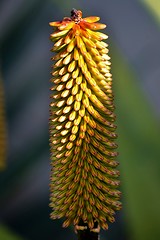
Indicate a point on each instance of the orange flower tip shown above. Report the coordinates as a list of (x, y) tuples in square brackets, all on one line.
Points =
[(78, 22), (93, 26), (55, 24), (66, 224), (105, 226), (91, 19)]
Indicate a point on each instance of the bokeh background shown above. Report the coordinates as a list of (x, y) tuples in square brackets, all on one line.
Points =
[(133, 27)]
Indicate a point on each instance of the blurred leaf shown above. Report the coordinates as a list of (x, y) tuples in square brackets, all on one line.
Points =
[(139, 149), (154, 7), (2, 129), (6, 234)]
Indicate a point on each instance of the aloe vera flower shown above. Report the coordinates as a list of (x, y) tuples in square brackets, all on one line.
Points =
[(84, 178)]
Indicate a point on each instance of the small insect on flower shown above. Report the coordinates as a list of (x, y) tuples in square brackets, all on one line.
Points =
[(82, 130)]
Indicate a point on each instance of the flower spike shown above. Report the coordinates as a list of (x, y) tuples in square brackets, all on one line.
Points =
[(82, 130)]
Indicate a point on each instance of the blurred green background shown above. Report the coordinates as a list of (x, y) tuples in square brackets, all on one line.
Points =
[(134, 36)]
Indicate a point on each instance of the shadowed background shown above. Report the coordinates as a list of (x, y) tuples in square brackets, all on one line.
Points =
[(134, 35)]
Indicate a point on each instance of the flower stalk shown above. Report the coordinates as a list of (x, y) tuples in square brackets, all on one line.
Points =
[(84, 178)]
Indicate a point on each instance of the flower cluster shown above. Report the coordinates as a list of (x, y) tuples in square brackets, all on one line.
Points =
[(82, 130)]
